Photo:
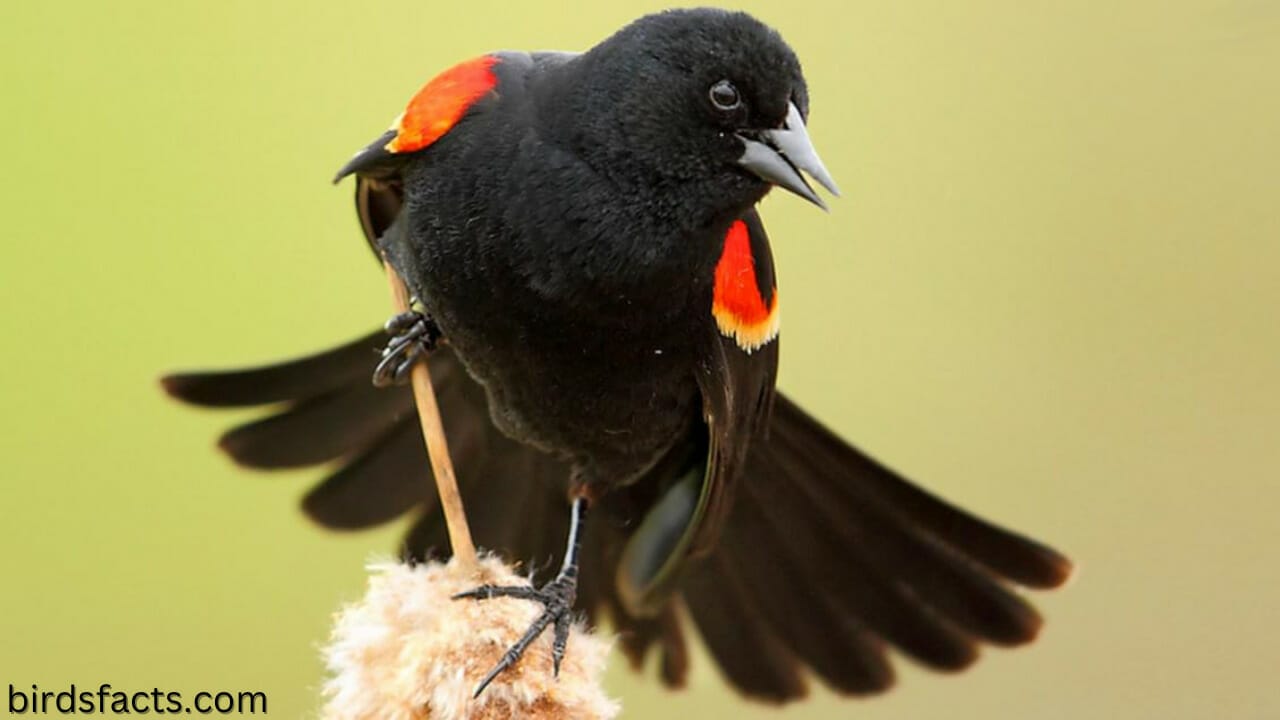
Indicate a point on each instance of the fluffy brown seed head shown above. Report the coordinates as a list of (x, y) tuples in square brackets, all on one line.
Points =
[(407, 651)]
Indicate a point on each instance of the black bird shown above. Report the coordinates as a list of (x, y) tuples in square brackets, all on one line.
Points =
[(598, 295)]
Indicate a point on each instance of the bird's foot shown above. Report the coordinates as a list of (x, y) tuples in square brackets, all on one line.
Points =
[(413, 336), (557, 599)]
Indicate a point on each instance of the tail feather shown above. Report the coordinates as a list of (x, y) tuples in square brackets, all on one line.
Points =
[(941, 577), (318, 429), (636, 636), (749, 652), (515, 510), (841, 563), (1007, 554), (530, 508), (302, 378), (372, 488), (839, 558), (840, 649), (675, 655), (427, 539)]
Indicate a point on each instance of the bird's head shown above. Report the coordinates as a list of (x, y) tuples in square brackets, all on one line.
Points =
[(701, 101)]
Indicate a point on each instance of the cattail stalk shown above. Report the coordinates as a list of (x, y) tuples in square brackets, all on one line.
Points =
[(464, 550)]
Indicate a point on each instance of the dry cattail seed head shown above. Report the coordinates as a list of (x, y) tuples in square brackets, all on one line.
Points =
[(407, 651)]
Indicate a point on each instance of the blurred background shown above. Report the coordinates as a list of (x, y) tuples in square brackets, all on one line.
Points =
[(1050, 293)]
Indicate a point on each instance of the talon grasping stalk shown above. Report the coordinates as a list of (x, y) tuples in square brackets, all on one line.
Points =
[(413, 336), (557, 598)]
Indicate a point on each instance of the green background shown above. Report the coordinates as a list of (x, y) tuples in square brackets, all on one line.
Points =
[(1050, 292)]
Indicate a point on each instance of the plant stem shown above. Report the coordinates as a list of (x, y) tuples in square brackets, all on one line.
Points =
[(464, 550)]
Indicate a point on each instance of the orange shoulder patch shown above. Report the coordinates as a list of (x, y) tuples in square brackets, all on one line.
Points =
[(740, 310), (441, 103)]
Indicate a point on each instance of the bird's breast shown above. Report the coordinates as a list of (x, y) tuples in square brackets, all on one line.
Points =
[(576, 309)]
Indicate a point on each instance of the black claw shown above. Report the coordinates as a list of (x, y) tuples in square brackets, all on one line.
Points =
[(414, 335), (485, 592), (411, 356), (556, 596), (382, 374), (561, 640), (401, 321), (488, 679)]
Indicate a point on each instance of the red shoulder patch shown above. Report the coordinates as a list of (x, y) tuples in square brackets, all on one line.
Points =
[(739, 309), (441, 103)]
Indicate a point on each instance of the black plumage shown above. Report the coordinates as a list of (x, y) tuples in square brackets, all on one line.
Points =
[(584, 236)]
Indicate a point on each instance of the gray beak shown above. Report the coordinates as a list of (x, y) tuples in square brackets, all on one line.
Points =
[(779, 156)]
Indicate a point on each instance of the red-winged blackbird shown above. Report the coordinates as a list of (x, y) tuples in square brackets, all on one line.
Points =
[(581, 233)]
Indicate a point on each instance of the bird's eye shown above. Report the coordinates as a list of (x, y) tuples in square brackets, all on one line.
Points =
[(725, 96)]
